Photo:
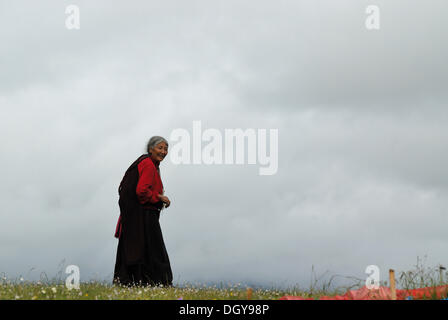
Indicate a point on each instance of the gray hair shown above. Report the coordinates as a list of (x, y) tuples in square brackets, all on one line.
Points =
[(155, 141)]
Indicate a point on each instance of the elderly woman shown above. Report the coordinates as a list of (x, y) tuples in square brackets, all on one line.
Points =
[(142, 258)]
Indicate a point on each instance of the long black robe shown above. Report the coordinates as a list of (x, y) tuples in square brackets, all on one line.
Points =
[(141, 258), (153, 267)]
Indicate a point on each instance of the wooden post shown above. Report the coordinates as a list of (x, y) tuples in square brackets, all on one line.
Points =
[(441, 268), (249, 293), (392, 284)]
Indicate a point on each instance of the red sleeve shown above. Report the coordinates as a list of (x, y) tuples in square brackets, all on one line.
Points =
[(146, 183)]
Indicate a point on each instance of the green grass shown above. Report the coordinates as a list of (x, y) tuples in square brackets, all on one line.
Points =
[(55, 289), (100, 291)]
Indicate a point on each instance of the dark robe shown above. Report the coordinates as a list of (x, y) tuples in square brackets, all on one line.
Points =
[(141, 258)]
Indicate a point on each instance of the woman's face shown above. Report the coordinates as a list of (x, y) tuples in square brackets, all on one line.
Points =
[(159, 152)]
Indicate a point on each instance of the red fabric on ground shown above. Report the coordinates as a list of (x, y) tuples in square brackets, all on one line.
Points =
[(439, 292), (382, 293)]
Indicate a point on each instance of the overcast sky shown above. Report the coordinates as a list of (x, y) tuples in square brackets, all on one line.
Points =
[(361, 116)]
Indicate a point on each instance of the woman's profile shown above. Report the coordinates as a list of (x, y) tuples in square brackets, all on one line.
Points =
[(142, 258)]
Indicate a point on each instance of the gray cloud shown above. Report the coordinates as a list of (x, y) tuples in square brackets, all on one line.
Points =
[(361, 118)]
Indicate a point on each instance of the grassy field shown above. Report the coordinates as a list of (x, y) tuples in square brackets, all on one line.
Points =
[(55, 289), (99, 291)]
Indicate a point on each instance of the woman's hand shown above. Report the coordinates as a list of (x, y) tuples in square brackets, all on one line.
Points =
[(165, 200)]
